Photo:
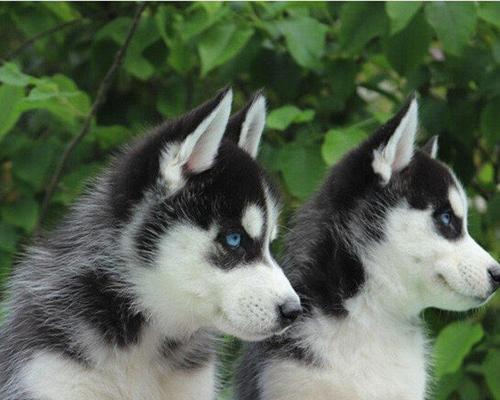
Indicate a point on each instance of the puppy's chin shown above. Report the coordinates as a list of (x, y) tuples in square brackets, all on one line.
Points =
[(456, 300), (225, 326)]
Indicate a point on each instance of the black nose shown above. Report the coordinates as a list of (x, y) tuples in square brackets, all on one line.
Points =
[(290, 310), (495, 276)]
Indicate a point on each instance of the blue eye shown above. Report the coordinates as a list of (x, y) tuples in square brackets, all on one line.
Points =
[(233, 240), (445, 218)]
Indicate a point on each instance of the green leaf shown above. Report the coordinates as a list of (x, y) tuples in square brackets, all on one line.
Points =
[(474, 224), (305, 39), (164, 19), (281, 118), (139, 67), (486, 174), (135, 63), (23, 213), (454, 23), (469, 390), (182, 56), (8, 237), (221, 43), (453, 343), (491, 371), (494, 209), (72, 184), (109, 137), (199, 20), (407, 49), (32, 163), (58, 95), (400, 13), (115, 30), (490, 12), (361, 22), (11, 75), (10, 98), (446, 385), (172, 100), (302, 168), (61, 9), (5, 265), (267, 156), (32, 21), (490, 122), (337, 142), (341, 75)]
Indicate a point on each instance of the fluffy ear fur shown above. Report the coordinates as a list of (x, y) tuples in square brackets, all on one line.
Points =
[(198, 150), (246, 126), (398, 151), (431, 147)]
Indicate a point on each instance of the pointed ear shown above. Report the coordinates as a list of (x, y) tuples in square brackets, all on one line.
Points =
[(197, 151), (431, 147), (246, 126), (398, 151), (253, 126)]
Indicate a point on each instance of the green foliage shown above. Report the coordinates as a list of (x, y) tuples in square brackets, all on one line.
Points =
[(453, 344), (305, 39), (281, 118), (339, 141), (401, 13), (220, 44), (454, 23), (361, 22), (332, 73)]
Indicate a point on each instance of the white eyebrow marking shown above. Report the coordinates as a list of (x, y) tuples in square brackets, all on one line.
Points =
[(253, 221), (456, 201)]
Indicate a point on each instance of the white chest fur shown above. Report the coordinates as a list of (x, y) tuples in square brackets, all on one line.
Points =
[(137, 374), (360, 359)]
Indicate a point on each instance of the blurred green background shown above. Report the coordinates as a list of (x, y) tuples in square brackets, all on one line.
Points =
[(332, 73)]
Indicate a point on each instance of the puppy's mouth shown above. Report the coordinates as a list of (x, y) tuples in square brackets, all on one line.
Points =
[(253, 335), (442, 280)]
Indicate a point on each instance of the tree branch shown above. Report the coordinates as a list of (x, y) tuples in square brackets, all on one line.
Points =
[(14, 53), (99, 99), (28, 42), (383, 92)]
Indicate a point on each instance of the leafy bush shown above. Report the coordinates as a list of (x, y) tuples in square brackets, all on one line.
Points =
[(332, 73)]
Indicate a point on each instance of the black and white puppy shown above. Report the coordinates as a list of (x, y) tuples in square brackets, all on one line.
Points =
[(170, 244), (384, 238)]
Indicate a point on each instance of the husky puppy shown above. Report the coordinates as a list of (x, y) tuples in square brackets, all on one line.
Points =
[(170, 244), (384, 238)]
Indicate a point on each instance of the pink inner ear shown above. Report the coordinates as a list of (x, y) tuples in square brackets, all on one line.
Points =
[(403, 156), (196, 164), (207, 138), (186, 169), (191, 165)]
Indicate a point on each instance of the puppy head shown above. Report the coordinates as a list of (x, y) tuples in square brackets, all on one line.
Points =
[(199, 234), (423, 246)]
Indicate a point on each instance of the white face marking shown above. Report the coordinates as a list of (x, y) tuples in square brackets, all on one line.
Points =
[(456, 201), (430, 270), (186, 291), (253, 221)]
